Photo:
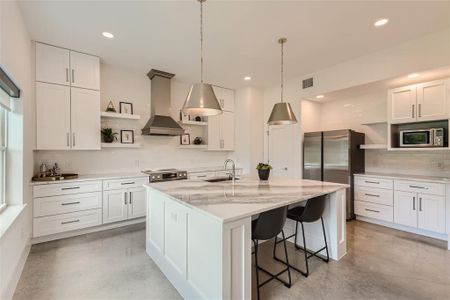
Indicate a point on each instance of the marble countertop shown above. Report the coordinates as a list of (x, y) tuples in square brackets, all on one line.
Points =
[(88, 177), (407, 177), (249, 196)]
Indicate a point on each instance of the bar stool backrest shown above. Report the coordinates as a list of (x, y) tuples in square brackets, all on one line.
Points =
[(314, 209), (270, 223)]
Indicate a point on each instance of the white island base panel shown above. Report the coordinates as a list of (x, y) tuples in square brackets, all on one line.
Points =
[(205, 258)]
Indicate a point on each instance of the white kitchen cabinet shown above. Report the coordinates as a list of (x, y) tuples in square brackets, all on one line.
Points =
[(52, 64), (115, 206), (225, 97), (402, 103), (85, 71), (221, 132), (175, 234), (420, 102), (85, 119), (405, 208), (431, 213), (52, 117), (432, 100), (138, 202)]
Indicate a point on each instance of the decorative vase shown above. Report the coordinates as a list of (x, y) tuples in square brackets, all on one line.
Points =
[(198, 141), (264, 174)]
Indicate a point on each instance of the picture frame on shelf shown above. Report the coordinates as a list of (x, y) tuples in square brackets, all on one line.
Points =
[(184, 117), (126, 108), (185, 139), (127, 137)]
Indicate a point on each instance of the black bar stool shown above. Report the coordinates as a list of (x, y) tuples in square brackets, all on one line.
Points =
[(311, 212), (266, 227)]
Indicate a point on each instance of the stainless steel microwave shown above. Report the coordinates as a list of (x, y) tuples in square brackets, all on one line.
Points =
[(432, 137)]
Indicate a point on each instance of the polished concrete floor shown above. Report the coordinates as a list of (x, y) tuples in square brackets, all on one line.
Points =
[(381, 264)]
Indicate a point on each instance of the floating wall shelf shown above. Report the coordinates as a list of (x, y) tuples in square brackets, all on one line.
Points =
[(119, 145), (119, 116), (193, 146), (373, 146), (194, 123)]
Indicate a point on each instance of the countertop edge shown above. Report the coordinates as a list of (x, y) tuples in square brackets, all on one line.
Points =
[(91, 177)]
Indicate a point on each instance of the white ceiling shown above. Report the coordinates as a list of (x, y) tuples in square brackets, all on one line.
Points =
[(240, 36)]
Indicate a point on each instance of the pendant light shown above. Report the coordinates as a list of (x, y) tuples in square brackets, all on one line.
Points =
[(201, 100), (282, 113)]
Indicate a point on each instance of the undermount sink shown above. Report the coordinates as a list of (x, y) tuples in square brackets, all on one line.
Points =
[(219, 179)]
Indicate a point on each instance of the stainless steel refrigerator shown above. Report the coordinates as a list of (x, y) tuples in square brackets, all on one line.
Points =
[(334, 156)]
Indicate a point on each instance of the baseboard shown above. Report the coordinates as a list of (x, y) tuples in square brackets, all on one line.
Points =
[(10, 288), (63, 235)]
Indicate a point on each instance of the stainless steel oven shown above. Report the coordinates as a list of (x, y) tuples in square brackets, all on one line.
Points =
[(432, 137)]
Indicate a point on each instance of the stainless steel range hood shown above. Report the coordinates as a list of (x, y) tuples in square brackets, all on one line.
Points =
[(161, 123)]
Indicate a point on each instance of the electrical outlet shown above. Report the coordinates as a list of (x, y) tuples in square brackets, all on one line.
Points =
[(136, 163)]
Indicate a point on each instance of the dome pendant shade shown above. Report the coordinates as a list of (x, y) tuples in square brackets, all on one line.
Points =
[(201, 101), (282, 114)]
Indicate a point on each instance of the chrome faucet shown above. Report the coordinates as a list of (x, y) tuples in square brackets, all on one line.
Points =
[(233, 170)]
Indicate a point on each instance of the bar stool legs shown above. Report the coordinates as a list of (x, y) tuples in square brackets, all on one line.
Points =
[(308, 253), (272, 276)]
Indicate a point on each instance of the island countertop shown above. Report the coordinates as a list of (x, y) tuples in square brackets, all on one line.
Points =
[(248, 196)]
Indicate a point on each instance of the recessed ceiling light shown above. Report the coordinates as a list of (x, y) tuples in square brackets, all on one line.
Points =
[(320, 96), (413, 75), (381, 22), (108, 35), (247, 78)]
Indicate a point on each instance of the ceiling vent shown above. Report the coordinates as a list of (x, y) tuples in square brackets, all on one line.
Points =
[(307, 83)]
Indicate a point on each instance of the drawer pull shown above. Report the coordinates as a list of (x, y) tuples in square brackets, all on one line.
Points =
[(418, 187), (374, 182), (70, 203), (372, 210), (69, 222), (201, 176), (70, 188), (371, 195), (127, 183)]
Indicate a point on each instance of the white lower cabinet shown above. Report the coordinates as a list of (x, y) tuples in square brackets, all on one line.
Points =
[(123, 204), (405, 208), (431, 213)]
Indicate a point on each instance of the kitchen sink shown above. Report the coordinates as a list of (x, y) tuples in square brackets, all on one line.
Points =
[(219, 179)]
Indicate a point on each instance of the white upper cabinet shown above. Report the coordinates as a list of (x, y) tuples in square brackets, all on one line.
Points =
[(85, 71), (52, 64), (432, 100), (221, 132), (403, 104), (227, 131), (225, 98), (420, 102), (52, 116), (85, 119)]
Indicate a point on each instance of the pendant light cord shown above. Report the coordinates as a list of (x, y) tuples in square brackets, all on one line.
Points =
[(282, 63), (201, 41)]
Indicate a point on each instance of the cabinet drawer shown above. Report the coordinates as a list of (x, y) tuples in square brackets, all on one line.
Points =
[(373, 195), (420, 187), (202, 175), (66, 222), (48, 206), (376, 211), (374, 182), (124, 183), (66, 188)]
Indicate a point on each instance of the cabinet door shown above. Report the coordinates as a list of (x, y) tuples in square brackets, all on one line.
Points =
[(403, 104), (432, 100), (431, 213), (137, 205), (85, 71), (227, 130), (85, 116), (175, 235), (52, 117), (214, 134), (52, 64), (115, 205), (228, 100), (405, 208)]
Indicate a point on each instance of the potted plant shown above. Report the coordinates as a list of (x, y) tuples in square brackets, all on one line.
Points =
[(263, 171), (108, 135)]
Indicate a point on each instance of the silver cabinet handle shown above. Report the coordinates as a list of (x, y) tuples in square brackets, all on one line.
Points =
[(73, 76), (371, 195), (374, 182), (67, 74), (68, 222), (418, 187), (414, 203), (412, 112), (68, 139), (372, 210), (125, 198), (420, 204), (131, 198), (73, 139), (420, 110), (70, 203), (125, 183), (70, 188), (201, 176)]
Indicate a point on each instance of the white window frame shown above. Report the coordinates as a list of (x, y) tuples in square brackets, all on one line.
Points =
[(3, 153)]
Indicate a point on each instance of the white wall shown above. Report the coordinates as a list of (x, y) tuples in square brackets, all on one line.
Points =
[(119, 84), (15, 56)]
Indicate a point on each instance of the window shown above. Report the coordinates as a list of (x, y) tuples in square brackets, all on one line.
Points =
[(3, 145)]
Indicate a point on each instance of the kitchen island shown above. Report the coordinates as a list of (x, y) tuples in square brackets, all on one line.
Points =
[(199, 232)]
